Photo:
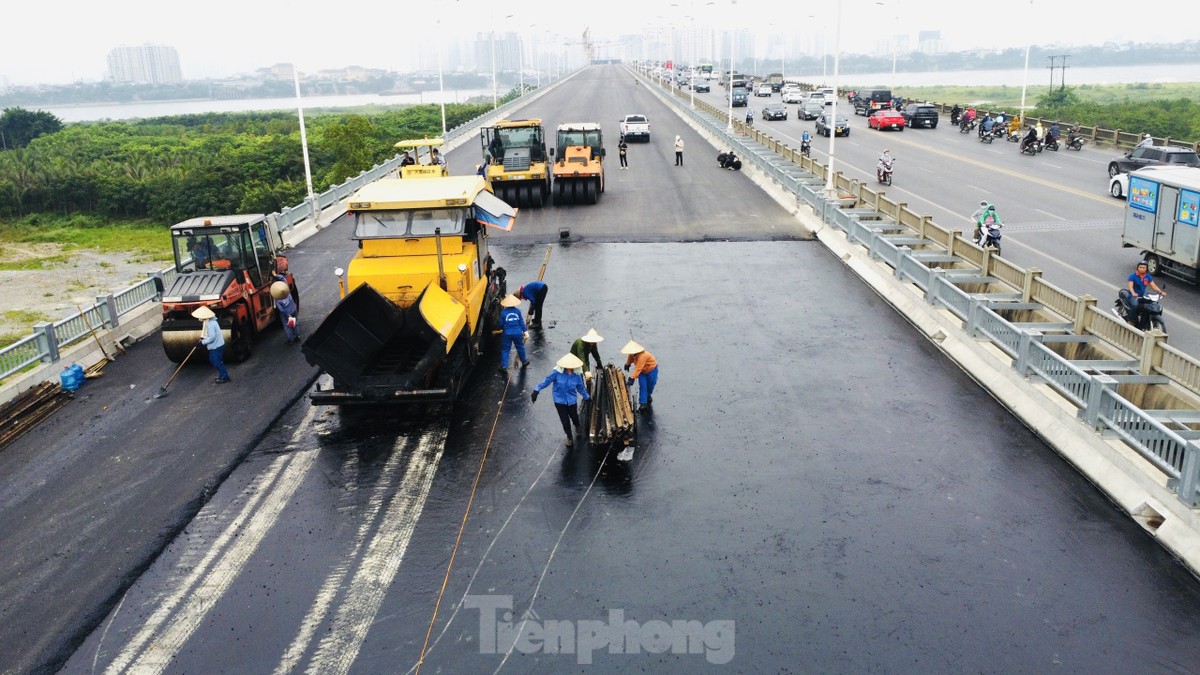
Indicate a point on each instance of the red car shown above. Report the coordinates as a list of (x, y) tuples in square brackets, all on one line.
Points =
[(886, 119)]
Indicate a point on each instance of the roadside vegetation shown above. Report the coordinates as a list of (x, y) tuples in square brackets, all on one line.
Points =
[(1161, 110)]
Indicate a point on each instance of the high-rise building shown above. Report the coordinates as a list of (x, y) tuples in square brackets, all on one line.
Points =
[(507, 51), (147, 64)]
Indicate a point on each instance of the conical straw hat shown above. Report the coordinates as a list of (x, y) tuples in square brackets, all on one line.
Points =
[(592, 336), (203, 313), (510, 300), (280, 290), (632, 347), (569, 362)]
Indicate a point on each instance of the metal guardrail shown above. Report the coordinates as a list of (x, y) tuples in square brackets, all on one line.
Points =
[(48, 338), (1174, 452)]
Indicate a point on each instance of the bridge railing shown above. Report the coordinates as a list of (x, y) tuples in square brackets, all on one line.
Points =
[(48, 338), (858, 211)]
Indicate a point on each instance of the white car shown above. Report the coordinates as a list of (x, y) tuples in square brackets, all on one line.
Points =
[(1118, 186), (763, 90), (793, 95)]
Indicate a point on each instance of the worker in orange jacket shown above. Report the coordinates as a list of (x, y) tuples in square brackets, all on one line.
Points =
[(645, 371)]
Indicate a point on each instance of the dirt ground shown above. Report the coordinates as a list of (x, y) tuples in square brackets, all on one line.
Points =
[(30, 296)]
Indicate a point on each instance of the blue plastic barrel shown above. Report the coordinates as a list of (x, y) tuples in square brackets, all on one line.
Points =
[(71, 377)]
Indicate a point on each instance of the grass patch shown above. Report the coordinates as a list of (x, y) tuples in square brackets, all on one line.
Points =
[(1010, 97), (25, 316), (44, 263), (7, 339), (81, 231)]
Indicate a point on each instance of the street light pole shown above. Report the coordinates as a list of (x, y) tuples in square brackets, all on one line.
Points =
[(837, 52), (1025, 79), (493, 66), (729, 82)]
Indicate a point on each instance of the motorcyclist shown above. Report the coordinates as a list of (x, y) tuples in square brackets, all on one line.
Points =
[(806, 143), (1014, 127), (1041, 131), (1051, 137), (1135, 287), (885, 164), (1030, 138), (986, 127), (955, 113), (987, 221), (1072, 134), (750, 116)]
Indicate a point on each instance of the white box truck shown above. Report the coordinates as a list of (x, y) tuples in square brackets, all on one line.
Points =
[(1161, 219)]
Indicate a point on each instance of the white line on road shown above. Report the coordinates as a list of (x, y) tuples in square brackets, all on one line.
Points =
[(356, 614), (332, 585), (1052, 215), (180, 613)]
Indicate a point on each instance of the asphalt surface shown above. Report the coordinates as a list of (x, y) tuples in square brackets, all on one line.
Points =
[(815, 489)]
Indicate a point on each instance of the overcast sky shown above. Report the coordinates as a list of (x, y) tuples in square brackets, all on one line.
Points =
[(69, 40)]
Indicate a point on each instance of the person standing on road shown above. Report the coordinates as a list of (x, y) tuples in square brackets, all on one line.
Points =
[(1147, 140), (645, 371), (512, 331), (211, 338), (678, 151), (585, 348), (535, 292), (622, 150), (286, 306), (568, 386)]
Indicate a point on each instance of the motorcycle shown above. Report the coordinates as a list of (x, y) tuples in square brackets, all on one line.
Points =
[(1029, 147), (749, 119), (728, 160), (1148, 314), (1050, 143), (986, 135), (954, 115), (806, 148), (966, 125), (1074, 142), (883, 172), (1014, 136), (991, 237)]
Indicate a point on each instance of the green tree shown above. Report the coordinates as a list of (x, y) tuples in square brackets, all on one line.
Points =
[(349, 141), (19, 126)]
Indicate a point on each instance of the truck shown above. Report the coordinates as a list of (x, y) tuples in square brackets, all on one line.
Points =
[(514, 154), (635, 127), (1161, 220), (578, 171), (419, 298), (226, 263), (775, 80), (738, 97)]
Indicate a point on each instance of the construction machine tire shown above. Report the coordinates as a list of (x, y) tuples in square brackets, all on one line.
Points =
[(576, 193), (557, 192), (536, 196), (591, 191), (178, 344), (243, 342)]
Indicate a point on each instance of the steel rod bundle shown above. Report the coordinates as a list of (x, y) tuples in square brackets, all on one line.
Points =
[(26, 411), (610, 417)]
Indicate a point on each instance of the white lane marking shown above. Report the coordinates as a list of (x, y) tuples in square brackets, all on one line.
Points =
[(1052, 215), (348, 629), (178, 616), (332, 585)]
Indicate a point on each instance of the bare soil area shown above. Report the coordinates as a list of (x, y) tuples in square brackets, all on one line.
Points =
[(69, 279)]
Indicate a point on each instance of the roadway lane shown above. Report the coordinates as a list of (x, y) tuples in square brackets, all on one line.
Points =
[(1056, 208), (810, 491)]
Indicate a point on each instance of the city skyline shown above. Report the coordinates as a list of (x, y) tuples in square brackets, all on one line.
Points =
[(210, 45)]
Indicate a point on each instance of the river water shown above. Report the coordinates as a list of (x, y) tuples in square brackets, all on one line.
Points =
[(122, 111), (1038, 75)]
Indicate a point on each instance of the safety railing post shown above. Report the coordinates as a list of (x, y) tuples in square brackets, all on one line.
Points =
[(937, 276), (1189, 475), (1093, 412), (1031, 275), (107, 306), (47, 341), (1025, 348)]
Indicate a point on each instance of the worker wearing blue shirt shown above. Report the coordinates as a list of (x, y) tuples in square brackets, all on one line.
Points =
[(535, 292), (568, 386), (512, 331), (211, 338)]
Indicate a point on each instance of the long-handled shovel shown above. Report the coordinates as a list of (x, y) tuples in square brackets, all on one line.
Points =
[(163, 391)]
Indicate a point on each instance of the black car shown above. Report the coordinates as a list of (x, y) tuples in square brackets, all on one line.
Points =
[(699, 85), (843, 125), (1152, 155), (868, 101), (920, 115), (774, 111), (810, 109)]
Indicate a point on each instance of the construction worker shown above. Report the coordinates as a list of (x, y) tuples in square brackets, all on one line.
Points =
[(211, 338), (535, 292), (286, 307), (512, 327), (645, 371), (568, 386), (585, 347)]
